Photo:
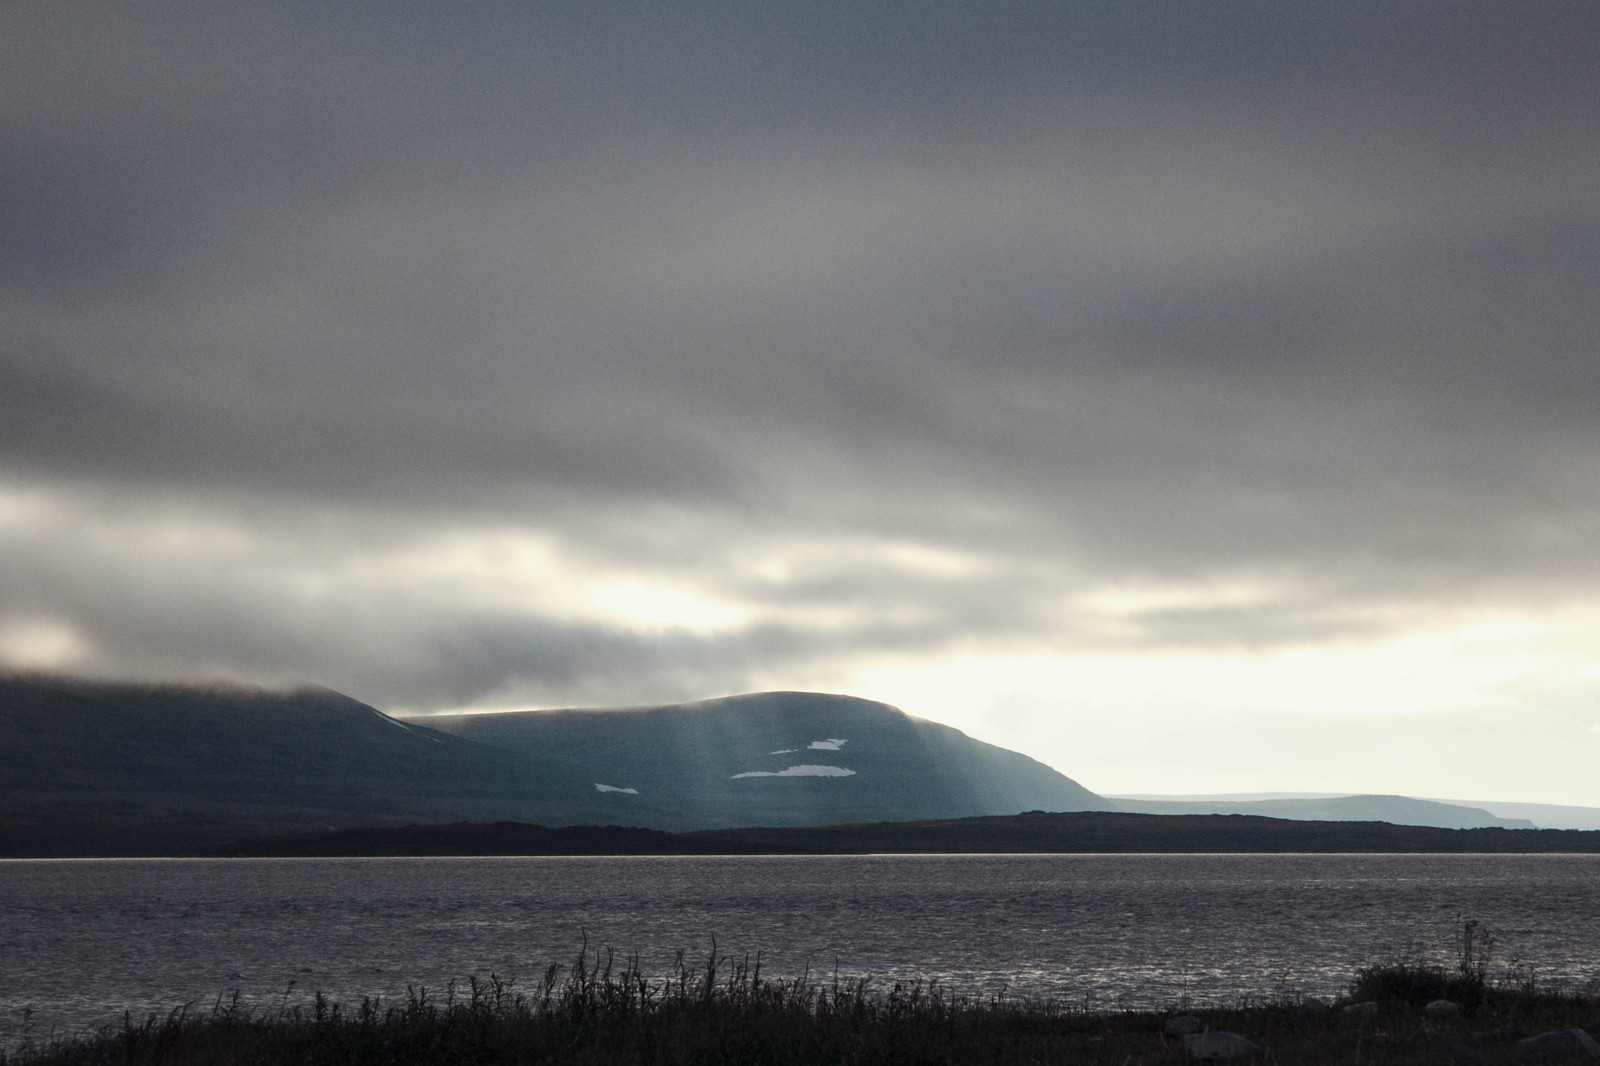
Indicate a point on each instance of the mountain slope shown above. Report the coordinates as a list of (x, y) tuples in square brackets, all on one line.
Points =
[(1397, 810), (99, 768), (243, 744), (774, 758), (95, 762), (1543, 815)]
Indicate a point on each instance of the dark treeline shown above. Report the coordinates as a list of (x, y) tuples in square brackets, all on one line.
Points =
[(1037, 832)]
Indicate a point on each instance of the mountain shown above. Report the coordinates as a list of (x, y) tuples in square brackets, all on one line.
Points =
[(87, 765), (96, 768), (773, 758), (1397, 810), (1543, 815)]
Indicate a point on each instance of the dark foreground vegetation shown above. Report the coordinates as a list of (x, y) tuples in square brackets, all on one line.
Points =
[(1104, 832), (734, 1014)]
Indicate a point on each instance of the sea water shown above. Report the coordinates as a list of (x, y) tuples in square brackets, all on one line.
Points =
[(83, 941)]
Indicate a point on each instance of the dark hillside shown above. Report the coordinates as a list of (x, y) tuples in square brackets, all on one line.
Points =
[(153, 767), (97, 768), (721, 762), (236, 743)]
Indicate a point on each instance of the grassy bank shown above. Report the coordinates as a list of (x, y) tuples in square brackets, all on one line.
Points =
[(722, 1013)]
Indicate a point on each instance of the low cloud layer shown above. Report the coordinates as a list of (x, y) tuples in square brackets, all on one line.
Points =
[(530, 355)]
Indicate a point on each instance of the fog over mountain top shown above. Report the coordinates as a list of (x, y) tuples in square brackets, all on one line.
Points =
[(100, 768), (1071, 374)]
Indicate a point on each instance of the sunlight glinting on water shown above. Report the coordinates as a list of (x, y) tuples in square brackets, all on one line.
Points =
[(82, 941)]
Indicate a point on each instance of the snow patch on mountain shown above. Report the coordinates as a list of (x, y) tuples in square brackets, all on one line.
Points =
[(804, 770)]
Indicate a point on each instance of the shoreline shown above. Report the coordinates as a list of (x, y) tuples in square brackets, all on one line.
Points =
[(1035, 832), (396, 856)]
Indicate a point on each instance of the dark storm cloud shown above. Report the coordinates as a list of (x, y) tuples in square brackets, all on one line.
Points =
[(1291, 294)]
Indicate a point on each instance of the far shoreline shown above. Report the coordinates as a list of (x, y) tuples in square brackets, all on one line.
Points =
[(1035, 833)]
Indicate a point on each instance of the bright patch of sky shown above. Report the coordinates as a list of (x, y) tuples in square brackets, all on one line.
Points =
[(40, 644), (1297, 718), (641, 603)]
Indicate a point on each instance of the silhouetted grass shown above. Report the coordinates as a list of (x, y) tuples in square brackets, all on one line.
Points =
[(722, 1012), (1416, 984)]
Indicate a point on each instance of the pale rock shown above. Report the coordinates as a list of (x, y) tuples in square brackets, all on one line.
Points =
[(1183, 1025), (1442, 1008)]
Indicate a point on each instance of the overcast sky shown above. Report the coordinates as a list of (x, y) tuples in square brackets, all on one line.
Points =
[(1195, 396)]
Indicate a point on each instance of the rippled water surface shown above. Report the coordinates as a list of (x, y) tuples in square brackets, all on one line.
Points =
[(82, 941)]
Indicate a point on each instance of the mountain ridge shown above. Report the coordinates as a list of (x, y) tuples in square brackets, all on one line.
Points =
[(90, 767), (1511, 813), (86, 764), (1394, 809), (778, 758)]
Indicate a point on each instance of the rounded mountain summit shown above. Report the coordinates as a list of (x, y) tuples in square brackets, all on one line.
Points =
[(769, 758)]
